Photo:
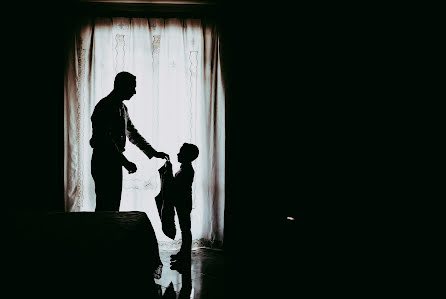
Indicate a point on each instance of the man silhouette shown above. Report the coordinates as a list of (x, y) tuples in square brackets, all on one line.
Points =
[(111, 125)]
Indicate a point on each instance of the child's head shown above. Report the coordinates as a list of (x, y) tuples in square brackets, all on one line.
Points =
[(188, 153)]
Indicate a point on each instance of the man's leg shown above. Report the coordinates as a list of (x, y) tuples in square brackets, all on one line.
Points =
[(107, 175), (116, 189), (100, 182)]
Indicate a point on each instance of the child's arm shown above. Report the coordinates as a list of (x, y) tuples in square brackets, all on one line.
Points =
[(183, 180)]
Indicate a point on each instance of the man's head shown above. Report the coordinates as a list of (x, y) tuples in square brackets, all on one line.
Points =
[(188, 153), (125, 85)]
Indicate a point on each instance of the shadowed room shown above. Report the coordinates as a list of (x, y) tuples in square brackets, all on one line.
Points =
[(201, 149), (198, 69)]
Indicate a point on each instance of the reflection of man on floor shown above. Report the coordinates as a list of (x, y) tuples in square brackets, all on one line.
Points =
[(111, 125)]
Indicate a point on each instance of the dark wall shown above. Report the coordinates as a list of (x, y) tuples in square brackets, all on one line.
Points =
[(294, 78), (277, 72), (32, 107)]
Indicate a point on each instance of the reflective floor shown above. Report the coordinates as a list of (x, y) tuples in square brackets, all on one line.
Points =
[(202, 278)]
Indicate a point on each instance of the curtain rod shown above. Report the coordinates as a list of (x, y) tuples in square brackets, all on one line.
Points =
[(95, 8), (170, 2)]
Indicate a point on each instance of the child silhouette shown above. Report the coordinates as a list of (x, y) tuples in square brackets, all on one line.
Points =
[(182, 199)]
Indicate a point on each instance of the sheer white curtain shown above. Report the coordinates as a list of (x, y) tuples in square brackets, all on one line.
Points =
[(179, 98)]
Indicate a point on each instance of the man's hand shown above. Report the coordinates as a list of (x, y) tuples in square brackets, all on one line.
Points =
[(130, 166), (162, 155)]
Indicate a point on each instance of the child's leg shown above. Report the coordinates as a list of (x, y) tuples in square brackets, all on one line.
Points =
[(186, 235)]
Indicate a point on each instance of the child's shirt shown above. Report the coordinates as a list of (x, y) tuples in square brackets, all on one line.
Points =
[(183, 187)]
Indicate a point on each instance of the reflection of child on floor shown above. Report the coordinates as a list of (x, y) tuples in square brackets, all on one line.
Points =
[(182, 186)]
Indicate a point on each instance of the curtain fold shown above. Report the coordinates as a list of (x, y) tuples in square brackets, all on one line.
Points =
[(179, 98)]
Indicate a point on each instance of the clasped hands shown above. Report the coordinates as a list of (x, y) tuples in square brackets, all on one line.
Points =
[(131, 167)]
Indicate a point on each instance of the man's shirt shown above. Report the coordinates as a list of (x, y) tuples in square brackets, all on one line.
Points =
[(111, 125)]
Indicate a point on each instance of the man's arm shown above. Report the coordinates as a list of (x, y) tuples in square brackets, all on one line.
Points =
[(140, 142)]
